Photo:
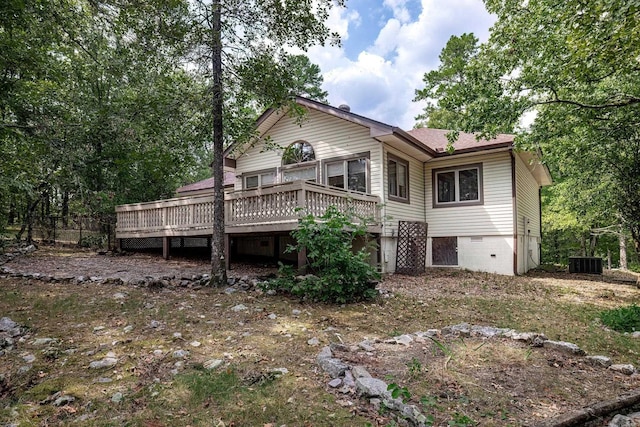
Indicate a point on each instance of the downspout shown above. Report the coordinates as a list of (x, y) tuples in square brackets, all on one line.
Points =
[(515, 212), (540, 225), (424, 191)]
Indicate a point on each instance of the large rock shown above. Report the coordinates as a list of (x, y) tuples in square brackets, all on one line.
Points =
[(325, 353), (360, 371), (332, 366), (488, 331), (372, 387), (107, 362), (462, 329), (565, 347), (407, 412), (621, 421), (9, 327), (212, 364), (603, 361), (626, 369)]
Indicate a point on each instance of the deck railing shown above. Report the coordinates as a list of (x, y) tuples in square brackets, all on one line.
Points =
[(276, 204)]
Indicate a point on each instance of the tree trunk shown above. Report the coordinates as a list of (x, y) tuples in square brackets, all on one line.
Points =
[(27, 224), (12, 211), (218, 264), (65, 209), (623, 250), (635, 236), (592, 245)]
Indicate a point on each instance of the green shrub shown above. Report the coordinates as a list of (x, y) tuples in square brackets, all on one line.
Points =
[(622, 319), (336, 273), (93, 241)]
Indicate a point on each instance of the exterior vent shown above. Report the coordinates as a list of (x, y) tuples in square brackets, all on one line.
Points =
[(588, 265), (344, 107)]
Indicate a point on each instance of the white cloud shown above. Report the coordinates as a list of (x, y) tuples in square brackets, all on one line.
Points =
[(399, 8), (387, 39), (381, 82)]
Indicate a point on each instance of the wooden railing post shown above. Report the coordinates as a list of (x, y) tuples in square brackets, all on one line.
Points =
[(302, 197), (265, 206)]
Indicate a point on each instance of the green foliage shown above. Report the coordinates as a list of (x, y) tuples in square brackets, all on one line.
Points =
[(415, 367), (461, 420), (97, 108), (338, 274), (444, 348), (622, 319), (399, 392), (93, 241), (576, 74), (447, 83)]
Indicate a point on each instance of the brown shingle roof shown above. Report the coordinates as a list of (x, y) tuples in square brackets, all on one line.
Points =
[(205, 184), (436, 139)]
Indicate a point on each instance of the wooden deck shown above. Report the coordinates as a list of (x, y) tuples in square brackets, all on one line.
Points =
[(267, 209)]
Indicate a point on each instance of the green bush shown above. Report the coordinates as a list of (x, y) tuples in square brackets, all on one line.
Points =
[(622, 319), (336, 273)]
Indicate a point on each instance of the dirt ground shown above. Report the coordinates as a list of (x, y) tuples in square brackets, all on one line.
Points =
[(494, 381)]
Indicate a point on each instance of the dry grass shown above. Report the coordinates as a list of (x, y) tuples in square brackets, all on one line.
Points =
[(495, 382)]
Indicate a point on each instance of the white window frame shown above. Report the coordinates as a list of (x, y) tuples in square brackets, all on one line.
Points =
[(457, 202)]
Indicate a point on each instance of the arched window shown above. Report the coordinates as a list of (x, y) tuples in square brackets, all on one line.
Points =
[(298, 162), (298, 152)]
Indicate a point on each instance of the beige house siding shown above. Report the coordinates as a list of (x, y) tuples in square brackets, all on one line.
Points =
[(527, 200), (528, 220), (494, 217), (394, 211), (330, 137), (484, 232)]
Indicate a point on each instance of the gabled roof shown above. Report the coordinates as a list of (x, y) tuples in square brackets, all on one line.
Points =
[(423, 143), (437, 140), (378, 130), (205, 184)]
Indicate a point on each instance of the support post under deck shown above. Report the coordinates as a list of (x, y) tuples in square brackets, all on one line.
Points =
[(166, 247), (302, 261), (227, 251)]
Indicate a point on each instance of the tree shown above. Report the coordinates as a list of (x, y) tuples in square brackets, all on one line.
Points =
[(446, 85), (574, 64), (237, 42), (96, 108)]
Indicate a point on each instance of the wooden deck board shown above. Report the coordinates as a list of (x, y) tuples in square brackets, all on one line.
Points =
[(274, 208)]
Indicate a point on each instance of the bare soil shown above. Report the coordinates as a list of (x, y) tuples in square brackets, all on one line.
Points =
[(493, 382)]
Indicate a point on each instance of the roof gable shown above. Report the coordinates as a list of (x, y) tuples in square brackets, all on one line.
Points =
[(424, 144), (377, 130)]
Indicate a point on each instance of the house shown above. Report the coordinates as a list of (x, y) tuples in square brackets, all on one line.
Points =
[(479, 205)]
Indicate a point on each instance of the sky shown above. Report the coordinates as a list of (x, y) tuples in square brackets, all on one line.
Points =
[(387, 46)]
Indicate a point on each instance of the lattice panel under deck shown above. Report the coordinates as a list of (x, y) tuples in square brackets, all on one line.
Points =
[(412, 247)]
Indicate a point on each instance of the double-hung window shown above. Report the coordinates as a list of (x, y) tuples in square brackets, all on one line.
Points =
[(458, 186), (398, 179), (259, 179), (348, 173)]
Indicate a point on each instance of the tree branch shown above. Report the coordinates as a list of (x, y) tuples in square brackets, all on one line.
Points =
[(624, 101)]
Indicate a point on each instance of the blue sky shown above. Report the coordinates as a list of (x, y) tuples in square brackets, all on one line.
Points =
[(387, 46)]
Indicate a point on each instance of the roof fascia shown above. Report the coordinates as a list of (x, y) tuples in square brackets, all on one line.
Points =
[(470, 153), (259, 121), (533, 162), (481, 148)]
